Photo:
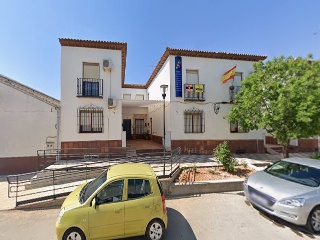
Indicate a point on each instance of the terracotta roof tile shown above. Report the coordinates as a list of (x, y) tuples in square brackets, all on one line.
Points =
[(201, 54), (101, 45)]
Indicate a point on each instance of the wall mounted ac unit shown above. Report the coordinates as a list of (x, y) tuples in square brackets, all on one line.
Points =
[(112, 102), (107, 64)]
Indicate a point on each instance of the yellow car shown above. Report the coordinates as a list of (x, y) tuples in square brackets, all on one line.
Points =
[(124, 201)]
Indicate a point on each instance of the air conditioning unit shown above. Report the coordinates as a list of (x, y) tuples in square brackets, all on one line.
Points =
[(107, 64), (112, 102)]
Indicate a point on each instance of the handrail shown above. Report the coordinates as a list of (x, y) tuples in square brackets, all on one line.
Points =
[(59, 180)]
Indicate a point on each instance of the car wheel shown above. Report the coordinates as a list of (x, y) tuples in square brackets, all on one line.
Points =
[(314, 220), (74, 234), (155, 230)]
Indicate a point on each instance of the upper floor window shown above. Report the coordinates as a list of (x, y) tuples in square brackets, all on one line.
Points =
[(90, 120), (90, 85), (237, 79), (127, 96), (192, 76), (235, 87), (193, 121), (139, 97)]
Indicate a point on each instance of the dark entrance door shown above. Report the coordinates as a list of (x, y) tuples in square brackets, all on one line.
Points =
[(126, 126)]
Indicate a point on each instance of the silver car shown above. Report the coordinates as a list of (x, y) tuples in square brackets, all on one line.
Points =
[(288, 189)]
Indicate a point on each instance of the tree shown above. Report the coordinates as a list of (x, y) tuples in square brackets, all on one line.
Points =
[(281, 96)]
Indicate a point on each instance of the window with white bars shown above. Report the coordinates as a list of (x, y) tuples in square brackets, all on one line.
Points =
[(90, 120), (193, 121)]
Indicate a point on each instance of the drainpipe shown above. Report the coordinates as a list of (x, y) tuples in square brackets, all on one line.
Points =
[(58, 131)]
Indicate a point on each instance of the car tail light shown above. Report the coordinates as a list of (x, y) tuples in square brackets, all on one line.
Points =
[(164, 209)]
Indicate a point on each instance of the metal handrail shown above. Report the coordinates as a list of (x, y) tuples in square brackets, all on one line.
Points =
[(52, 183)]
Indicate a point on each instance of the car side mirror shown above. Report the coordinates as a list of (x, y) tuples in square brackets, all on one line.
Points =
[(94, 203)]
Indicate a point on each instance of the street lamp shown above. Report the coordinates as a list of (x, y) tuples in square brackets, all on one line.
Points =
[(164, 88)]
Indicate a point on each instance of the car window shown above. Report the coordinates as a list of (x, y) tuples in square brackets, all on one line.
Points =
[(92, 186), (138, 188), (294, 172), (111, 193)]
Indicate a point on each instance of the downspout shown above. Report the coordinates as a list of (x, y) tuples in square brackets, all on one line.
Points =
[(58, 132)]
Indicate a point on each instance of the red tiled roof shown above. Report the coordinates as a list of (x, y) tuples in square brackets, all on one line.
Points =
[(101, 45), (201, 54), (165, 55)]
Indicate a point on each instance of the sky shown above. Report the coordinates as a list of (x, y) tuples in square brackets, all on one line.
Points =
[(30, 51)]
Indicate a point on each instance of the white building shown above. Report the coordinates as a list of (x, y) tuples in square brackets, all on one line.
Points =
[(29, 122), (99, 110)]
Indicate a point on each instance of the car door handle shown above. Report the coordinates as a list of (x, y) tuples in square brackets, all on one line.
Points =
[(147, 206), (117, 210)]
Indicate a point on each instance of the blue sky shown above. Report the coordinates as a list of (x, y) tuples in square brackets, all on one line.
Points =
[(30, 50)]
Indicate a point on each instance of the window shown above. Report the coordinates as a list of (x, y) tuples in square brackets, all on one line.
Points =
[(91, 70), (138, 188), (237, 79), (90, 120), (139, 97), (139, 126), (111, 193), (90, 85), (127, 96), (192, 76), (194, 121), (236, 128)]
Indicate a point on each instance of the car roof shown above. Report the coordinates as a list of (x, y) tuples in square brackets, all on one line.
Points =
[(130, 169), (304, 161)]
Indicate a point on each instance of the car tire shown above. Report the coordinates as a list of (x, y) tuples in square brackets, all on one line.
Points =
[(155, 230), (74, 234), (314, 220)]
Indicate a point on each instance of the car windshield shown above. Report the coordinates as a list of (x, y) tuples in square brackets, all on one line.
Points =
[(92, 186), (295, 172)]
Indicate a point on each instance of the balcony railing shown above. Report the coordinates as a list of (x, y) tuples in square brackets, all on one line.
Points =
[(233, 90), (194, 92), (89, 87)]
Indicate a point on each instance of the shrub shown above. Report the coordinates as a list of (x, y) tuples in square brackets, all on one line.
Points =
[(223, 154), (315, 155)]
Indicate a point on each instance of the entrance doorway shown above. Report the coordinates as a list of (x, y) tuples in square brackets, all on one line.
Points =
[(126, 126)]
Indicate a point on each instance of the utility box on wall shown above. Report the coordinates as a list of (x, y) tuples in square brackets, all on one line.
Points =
[(112, 102)]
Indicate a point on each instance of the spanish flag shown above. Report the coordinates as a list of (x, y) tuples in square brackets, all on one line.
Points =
[(228, 75)]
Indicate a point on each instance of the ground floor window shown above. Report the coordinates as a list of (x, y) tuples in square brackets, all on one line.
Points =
[(236, 128), (139, 129), (193, 121), (90, 120)]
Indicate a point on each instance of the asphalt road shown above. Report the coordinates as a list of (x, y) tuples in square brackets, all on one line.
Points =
[(209, 216)]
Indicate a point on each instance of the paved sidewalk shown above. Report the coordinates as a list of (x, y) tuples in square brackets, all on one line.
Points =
[(186, 160)]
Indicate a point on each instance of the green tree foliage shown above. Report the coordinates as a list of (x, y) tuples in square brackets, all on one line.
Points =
[(281, 96), (224, 156)]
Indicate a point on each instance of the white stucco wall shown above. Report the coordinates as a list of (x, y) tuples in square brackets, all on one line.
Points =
[(26, 123), (210, 73), (134, 92), (72, 59)]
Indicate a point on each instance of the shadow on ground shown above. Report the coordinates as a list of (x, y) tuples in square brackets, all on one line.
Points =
[(178, 228), (300, 231)]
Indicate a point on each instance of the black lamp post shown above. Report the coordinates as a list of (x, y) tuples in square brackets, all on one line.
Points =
[(164, 88)]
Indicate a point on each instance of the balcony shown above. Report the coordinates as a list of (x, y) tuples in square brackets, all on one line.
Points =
[(233, 90), (89, 87), (194, 92)]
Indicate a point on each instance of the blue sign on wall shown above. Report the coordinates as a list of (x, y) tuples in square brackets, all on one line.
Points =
[(178, 76)]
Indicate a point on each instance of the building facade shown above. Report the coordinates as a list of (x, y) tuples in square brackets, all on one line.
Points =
[(99, 110), (30, 122)]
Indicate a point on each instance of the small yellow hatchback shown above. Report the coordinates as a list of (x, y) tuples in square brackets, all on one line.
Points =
[(126, 200)]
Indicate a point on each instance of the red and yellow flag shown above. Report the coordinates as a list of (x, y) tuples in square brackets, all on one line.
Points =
[(228, 75)]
